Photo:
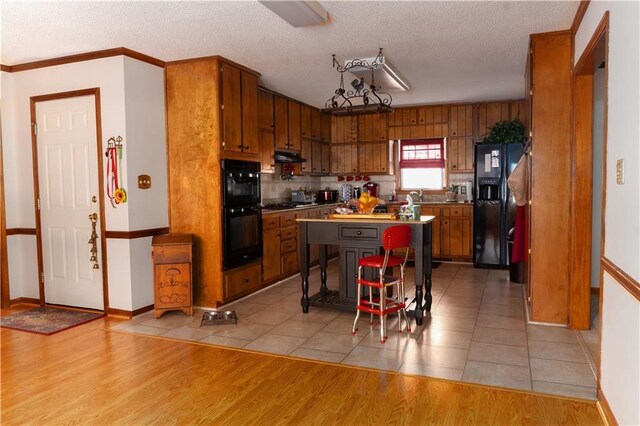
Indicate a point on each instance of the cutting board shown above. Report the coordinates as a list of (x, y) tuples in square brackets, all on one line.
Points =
[(382, 216)]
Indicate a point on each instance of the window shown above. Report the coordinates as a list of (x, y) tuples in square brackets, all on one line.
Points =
[(422, 164)]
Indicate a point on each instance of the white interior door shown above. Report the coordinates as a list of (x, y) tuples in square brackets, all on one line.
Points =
[(68, 180)]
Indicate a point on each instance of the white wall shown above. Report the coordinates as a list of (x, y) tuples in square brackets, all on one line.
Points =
[(598, 155), (132, 106), (619, 376)]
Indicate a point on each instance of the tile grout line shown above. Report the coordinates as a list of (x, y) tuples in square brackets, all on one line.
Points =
[(475, 326)]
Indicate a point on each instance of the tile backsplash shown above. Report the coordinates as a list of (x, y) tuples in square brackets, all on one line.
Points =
[(275, 189)]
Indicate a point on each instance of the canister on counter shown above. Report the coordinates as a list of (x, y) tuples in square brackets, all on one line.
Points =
[(409, 212)]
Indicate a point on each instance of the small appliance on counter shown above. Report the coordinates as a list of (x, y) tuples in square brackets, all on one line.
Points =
[(302, 196), (371, 188), (346, 192), (357, 191), (467, 187), (327, 196)]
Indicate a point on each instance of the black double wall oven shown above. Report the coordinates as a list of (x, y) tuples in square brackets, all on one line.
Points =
[(242, 231)]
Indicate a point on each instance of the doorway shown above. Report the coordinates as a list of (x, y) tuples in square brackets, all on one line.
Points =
[(588, 185), (68, 199)]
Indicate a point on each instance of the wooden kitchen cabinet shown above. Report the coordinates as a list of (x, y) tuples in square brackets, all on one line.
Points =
[(281, 118), (266, 114), (372, 128), (325, 152), (241, 281), (316, 125), (267, 151), (344, 129), (294, 111), (373, 158), (271, 268), (325, 124), (305, 121), (460, 158), (344, 158), (490, 113), (461, 121), (316, 157), (549, 80), (196, 91), (306, 152), (172, 273), (239, 112), (452, 229)]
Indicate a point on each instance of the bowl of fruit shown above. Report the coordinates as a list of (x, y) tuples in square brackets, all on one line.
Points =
[(366, 203)]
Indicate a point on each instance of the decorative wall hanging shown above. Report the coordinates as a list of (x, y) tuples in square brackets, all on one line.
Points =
[(374, 100), (116, 193)]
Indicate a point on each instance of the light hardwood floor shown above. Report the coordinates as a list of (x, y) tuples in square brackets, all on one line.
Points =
[(88, 375)]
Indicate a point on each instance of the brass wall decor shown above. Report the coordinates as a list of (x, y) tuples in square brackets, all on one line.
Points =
[(93, 240)]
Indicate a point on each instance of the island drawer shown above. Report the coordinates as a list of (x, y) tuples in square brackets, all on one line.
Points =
[(359, 233)]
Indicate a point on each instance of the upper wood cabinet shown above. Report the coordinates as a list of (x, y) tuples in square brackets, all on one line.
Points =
[(281, 116), (305, 121), (490, 113), (316, 125), (423, 122), (294, 110), (239, 112), (461, 120), (344, 129), (266, 115), (460, 155), (373, 157), (372, 128), (344, 158), (306, 153), (267, 151), (325, 127)]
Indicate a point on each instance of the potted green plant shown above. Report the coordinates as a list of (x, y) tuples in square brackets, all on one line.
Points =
[(506, 132)]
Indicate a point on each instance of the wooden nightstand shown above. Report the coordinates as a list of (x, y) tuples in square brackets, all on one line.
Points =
[(172, 273)]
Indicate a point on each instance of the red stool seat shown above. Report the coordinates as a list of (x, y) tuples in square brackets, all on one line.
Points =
[(395, 237), (377, 261)]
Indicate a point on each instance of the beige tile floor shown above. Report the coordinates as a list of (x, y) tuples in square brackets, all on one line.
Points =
[(475, 333)]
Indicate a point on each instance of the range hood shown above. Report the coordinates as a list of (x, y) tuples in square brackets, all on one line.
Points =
[(288, 157)]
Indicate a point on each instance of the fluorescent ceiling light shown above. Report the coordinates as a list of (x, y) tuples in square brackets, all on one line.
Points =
[(298, 13), (386, 75)]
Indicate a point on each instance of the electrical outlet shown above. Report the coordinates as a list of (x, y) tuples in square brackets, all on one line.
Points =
[(620, 171)]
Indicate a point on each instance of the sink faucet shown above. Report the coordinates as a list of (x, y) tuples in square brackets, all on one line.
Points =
[(419, 194)]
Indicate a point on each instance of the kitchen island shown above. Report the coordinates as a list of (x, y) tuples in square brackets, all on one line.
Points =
[(357, 238)]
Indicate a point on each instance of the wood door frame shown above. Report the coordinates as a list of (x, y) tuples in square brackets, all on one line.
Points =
[(5, 297), (581, 177), (95, 92)]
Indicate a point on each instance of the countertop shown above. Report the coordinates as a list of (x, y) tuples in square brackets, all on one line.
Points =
[(423, 219), (306, 207), (444, 203)]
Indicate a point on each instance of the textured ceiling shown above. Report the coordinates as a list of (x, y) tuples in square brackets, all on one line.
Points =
[(447, 51)]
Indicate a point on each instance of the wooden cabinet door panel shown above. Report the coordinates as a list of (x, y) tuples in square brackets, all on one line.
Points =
[(344, 159), (250, 141), (467, 238), (445, 237), (316, 157), (326, 128), (281, 115), (325, 155), (231, 108), (265, 110), (436, 240), (455, 237), (306, 153), (271, 266), (305, 121), (316, 125), (294, 125), (267, 151)]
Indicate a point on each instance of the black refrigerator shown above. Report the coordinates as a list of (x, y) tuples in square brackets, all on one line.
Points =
[(494, 209)]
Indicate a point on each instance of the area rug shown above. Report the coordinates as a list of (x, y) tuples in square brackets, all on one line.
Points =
[(47, 321)]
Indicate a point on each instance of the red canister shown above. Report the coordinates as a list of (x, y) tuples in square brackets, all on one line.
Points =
[(371, 188)]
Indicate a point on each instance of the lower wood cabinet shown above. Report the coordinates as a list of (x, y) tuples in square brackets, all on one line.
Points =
[(172, 273), (452, 229), (241, 281), (280, 243)]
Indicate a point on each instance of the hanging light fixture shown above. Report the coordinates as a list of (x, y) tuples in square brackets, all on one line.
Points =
[(363, 98)]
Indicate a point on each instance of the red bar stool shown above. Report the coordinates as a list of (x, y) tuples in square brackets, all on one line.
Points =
[(395, 237)]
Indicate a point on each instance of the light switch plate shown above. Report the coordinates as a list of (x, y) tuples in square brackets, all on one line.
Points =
[(620, 171)]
